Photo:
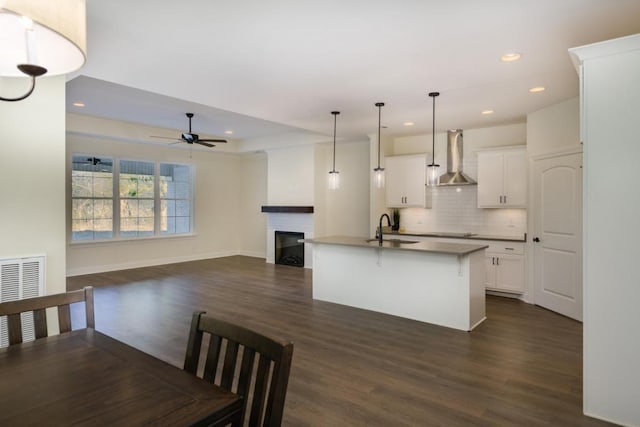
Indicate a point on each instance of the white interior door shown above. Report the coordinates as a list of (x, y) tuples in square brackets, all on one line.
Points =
[(557, 237)]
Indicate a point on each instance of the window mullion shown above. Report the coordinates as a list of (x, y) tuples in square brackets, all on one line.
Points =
[(156, 199), (116, 198)]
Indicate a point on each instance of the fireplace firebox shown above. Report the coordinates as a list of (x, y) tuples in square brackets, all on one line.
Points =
[(289, 251)]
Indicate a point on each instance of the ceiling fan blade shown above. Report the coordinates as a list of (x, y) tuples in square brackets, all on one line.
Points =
[(163, 137), (176, 142), (206, 144), (213, 140)]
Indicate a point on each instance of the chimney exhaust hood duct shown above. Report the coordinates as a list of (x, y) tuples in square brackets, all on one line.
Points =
[(454, 175)]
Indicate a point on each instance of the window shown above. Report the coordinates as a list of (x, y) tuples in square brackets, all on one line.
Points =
[(91, 198), (134, 198), (175, 199), (136, 184)]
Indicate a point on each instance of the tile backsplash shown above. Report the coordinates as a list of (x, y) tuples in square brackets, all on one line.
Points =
[(455, 209)]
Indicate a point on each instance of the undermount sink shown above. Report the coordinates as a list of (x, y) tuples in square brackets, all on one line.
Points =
[(395, 241)]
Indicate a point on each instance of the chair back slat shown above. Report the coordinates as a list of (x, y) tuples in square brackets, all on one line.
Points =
[(64, 318), (193, 347), (40, 322), (38, 305), (246, 369), (229, 368), (14, 324), (259, 391), (266, 401), (213, 356)]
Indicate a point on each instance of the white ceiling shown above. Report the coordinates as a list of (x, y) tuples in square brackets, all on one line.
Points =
[(261, 68)]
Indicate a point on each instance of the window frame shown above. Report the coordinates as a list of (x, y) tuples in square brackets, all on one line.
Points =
[(157, 232)]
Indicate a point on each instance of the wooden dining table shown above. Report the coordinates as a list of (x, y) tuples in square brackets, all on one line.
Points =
[(87, 378)]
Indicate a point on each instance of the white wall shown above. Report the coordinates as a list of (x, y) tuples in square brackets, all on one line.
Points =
[(611, 234), (32, 176), (253, 194), (225, 201), (554, 128), (291, 176), (344, 211)]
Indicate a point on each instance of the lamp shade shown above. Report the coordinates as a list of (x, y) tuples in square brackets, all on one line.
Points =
[(56, 39), (334, 180)]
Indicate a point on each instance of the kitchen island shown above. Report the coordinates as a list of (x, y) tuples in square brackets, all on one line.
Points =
[(439, 283)]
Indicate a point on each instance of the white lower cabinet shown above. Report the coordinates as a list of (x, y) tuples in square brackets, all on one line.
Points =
[(504, 262), (505, 272)]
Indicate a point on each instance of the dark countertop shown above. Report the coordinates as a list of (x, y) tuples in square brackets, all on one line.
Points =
[(394, 243)]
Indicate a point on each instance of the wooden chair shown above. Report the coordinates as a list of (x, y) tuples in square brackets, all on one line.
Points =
[(269, 351), (38, 305)]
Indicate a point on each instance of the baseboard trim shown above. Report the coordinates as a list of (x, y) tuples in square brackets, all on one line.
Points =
[(155, 262)]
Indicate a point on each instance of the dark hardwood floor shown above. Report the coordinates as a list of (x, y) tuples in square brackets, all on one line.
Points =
[(522, 366)]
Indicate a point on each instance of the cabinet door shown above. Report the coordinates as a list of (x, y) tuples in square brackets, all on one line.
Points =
[(415, 174), (515, 179), (490, 271), (510, 273), (394, 182), (405, 181), (490, 179)]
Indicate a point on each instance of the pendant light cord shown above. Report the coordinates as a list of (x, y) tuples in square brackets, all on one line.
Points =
[(379, 105), (433, 134), (433, 127), (335, 120)]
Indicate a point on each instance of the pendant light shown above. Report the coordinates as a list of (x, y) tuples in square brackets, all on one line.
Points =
[(433, 170), (334, 175), (379, 172)]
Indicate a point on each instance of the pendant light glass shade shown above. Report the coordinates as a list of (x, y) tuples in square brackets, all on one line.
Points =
[(378, 173), (334, 175), (433, 170), (378, 177), (433, 175), (334, 180)]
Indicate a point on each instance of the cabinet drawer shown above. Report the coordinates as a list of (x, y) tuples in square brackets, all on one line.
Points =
[(516, 248)]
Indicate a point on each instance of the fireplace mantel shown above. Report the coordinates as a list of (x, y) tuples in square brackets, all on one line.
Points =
[(287, 209)]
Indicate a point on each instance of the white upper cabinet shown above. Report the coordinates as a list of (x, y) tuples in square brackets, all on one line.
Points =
[(502, 178), (406, 181)]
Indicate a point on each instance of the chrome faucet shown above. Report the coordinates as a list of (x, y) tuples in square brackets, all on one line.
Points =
[(380, 227)]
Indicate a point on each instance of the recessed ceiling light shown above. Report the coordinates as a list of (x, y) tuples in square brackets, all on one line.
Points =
[(537, 89), (486, 112), (408, 123), (78, 104), (509, 57), (228, 132)]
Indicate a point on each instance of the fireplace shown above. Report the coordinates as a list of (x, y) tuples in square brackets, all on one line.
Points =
[(288, 250)]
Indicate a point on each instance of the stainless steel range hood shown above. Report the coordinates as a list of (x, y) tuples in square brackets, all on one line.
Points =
[(454, 175)]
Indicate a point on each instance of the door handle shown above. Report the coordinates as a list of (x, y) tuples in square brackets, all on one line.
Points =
[(493, 260), (497, 261), (535, 239)]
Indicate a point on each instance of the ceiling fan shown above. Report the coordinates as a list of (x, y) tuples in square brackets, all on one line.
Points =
[(193, 138), (92, 161)]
